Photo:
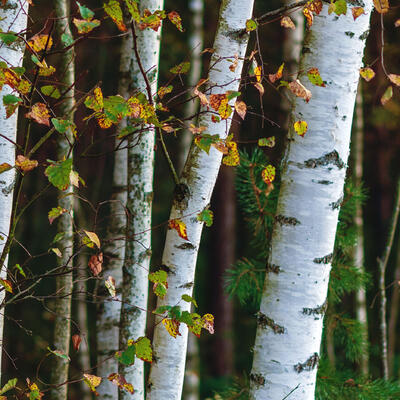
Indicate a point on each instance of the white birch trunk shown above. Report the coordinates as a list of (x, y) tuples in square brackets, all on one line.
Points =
[(291, 313), (13, 17), (197, 183), (139, 204), (64, 283), (109, 312)]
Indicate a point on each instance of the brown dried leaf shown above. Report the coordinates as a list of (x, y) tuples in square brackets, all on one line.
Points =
[(25, 164), (39, 113), (297, 88), (96, 264), (76, 341), (241, 108)]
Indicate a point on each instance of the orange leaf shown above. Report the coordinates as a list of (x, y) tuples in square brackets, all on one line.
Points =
[(7, 285), (216, 99), (179, 226), (96, 263), (39, 113), (286, 22), (121, 382), (382, 6), (297, 88), (25, 164), (356, 12), (176, 19), (76, 341), (278, 75)]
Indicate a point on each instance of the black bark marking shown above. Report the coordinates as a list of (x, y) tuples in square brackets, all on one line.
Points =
[(320, 310), (309, 365), (336, 204), (186, 246), (167, 269), (323, 182), (187, 285), (265, 321), (364, 35), (273, 268), (181, 192), (258, 379), (282, 220), (324, 260), (349, 34), (329, 158)]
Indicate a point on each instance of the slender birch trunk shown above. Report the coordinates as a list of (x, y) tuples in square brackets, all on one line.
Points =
[(64, 282), (291, 313), (139, 204), (109, 311), (196, 7), (198, 178), (361, 301), (13, 16)]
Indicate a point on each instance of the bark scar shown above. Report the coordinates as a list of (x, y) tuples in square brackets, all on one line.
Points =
[(265, 321), (324, 260), (320, 310), (308, 365), (258, 379), (273, 268), (282, 220), (328, 158)]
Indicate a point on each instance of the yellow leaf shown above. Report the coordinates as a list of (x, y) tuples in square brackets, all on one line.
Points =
[(232, 158), (278, 75), (367, 73), (259, 87), (258, 73), (93, 238), (382, 6), (397, 23), (268, 174), (225, 110), (172, 326), (92, 381), (7, 285), (4, 167), (387, 95), (394, 79), (356, 12), (208, 322), (179, 226), (39, 113), (25, 164), (40, 42), (56, 251), (300, 127), (286, 22)]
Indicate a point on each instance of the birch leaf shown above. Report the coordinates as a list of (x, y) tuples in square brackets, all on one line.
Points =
[(9, 385), (216, 100), (110, 285), (51, 91), (5, 167), (339, 7), (59, 353), (56, 251), (181, 68), (286, 22), (278, 75), (268, 174), (93, 238), (152, 20), (92, 381), (127, 357), (189, 299), (208, 322), (258, 73), (387, 95), (232, 158), (76, 341), (267, 142), (300, 127), (297, 88), (397, 23), (95, 102), (46, 71), (367, 73), (176, 19), (312, 7), (172, 326), (143, 349), (35, 393), (39, 42), (259, 87), (394, 79), (25, 164), (85, 12), (179, 226), (67, 39), (64, 125), (206, 216), (113, 9), (8, 37), (84, 26), (133, 8), (251, 25), (7, 285), (121, 382), (382, 6), (96, 263), (20, 270), (11, 104), (356, 12), (55, 212), (58, 174), (39, 113), (225, 110), (163, 90), (314, 77)]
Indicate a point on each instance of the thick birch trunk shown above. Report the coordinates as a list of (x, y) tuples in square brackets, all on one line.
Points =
[(13, 17), (291, 313), (139, 204), (64, 282), (198, 178), (109, 311)]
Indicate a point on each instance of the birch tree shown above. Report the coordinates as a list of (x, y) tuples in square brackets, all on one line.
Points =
[(313, 171), (192, 197), (143, 75), (64, 282), (13, 17)]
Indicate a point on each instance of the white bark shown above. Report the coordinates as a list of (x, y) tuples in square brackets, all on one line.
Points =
[(64, 282), (290, 319), (13, 17), (139, 204), (197, 182)]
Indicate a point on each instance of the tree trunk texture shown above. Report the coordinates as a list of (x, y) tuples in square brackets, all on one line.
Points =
[(139, 204), (14, 18), (197, 183), (64, 282), (361, 301), (292, 307), (196, 7)]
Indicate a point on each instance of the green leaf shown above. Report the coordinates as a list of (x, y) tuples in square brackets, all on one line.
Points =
[(11, 99), (206, 216), (9, 385), (55, 212), (186, 318), (251, 25), (159, 276), (66, 39), (232, 94), (340, 7), (314, 77), (50, 90), (113, 9), (127, 357), (189, 299), (21, 271), (143, 349), (8, 37), (59, 354), (175, 313), (161, 309), (160, 290), (133, 8), (181, 68), (267, 142), (115, 108), (58, 237), (63, 125), (204, 141), (58, 174), (85, 12), (18, 70), (84, 26)]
